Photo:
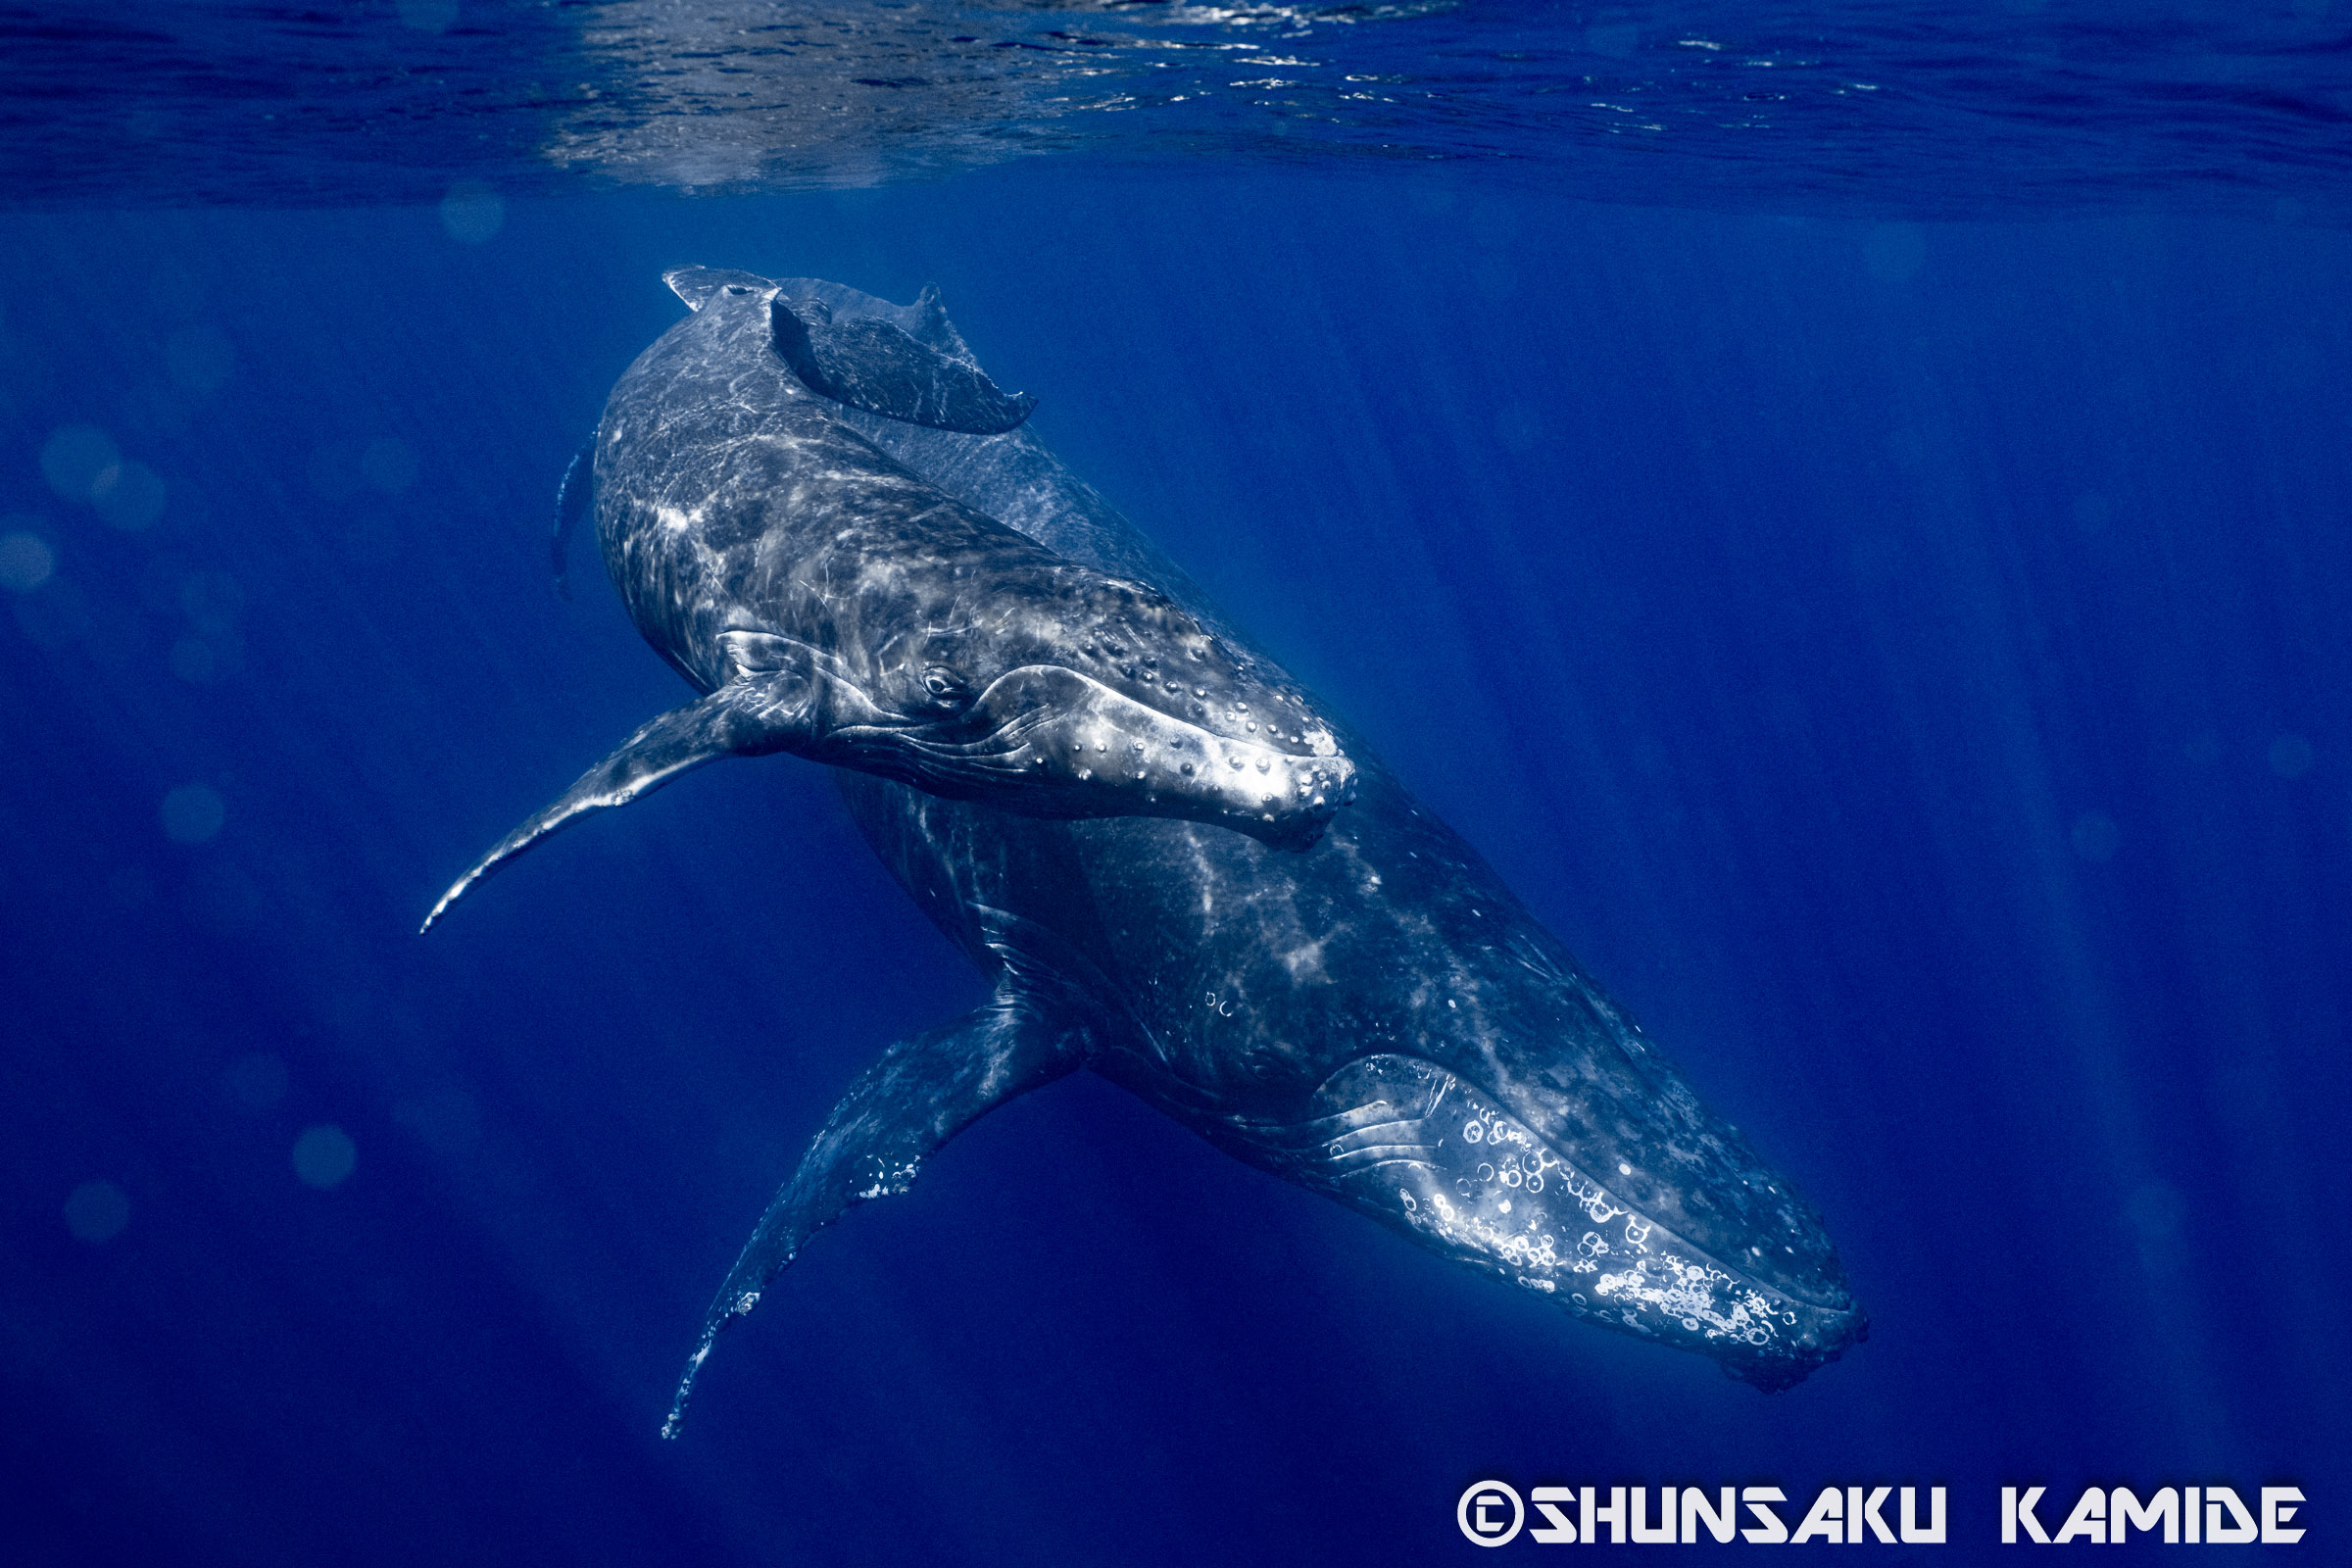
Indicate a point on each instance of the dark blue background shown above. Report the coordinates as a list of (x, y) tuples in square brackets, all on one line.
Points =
[(1781, 605)]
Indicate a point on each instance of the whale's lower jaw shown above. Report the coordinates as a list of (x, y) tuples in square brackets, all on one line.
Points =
[(1432, 1155)]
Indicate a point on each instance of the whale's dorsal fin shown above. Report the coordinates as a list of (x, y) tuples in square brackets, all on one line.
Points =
[(764, 710), (883, 368), (932, 327), (695, 284), (924, 1090)]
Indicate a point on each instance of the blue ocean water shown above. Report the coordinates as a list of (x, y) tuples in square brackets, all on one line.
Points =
[(1874, 579)]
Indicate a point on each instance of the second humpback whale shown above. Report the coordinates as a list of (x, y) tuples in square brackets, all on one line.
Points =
[(829, 603), (1377, 1018)]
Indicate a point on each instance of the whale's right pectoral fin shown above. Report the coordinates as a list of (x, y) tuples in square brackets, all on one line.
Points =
[(924, 1091), (760, 711)]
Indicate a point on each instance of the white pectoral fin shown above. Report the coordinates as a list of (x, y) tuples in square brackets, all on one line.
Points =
[(924, 1091), (757, 712)]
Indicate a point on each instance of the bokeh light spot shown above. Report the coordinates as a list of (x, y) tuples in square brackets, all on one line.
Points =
[(472, 212), (324, 1156), (130, 496), (193, 813), (97, 1211), (74, 457), (25, 562), (2291, 756)]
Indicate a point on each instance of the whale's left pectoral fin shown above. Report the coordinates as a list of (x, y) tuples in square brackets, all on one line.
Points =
[(924, 1091), (757, 712)]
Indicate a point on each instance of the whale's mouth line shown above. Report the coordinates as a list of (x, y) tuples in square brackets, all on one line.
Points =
[(1068, 729), (924, 732), (1070, 747)]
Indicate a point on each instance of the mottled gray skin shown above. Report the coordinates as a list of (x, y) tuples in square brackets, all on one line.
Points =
[(833, 604), (1378, 1019)]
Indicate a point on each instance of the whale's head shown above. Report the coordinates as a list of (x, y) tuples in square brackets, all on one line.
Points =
[(953, 653), (1002, 674), (1602, 1186)]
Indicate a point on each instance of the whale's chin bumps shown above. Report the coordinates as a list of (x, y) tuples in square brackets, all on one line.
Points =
[(1054, 743)]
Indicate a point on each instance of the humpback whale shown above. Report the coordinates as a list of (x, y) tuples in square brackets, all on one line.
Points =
[(815, 502), (1377, 1018), (828, 601)]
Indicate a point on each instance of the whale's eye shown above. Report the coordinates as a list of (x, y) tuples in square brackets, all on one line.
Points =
[(949, 691)]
